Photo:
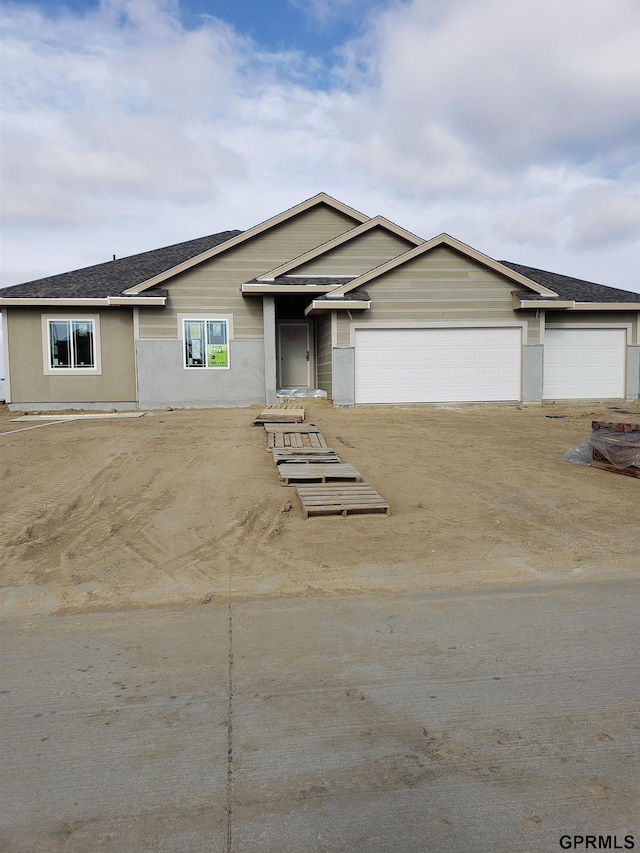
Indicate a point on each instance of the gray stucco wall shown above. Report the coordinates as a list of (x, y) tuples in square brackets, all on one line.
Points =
[(269, 344), (633, 372), (344, 376), (532, 361), (163, 381)]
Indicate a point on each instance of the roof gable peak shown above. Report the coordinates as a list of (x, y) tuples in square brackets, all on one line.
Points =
[(341, 239), (444, 239), (243, 236)]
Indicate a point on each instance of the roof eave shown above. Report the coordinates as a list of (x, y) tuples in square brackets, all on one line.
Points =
[(324, 306), (607, 306), (560, 304), (80, 301), (276, 289), (572, 305)]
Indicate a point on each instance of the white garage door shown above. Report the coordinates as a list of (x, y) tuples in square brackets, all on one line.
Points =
[(437, 365), (584, 364)]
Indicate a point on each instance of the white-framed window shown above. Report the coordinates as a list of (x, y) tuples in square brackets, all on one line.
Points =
[(71, 344), (206, 342)]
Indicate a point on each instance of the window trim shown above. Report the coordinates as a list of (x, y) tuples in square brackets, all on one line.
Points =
[(49, 370), (183, 319)]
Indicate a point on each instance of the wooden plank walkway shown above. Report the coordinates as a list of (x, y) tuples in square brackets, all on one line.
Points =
[(319, 472), (295, 439), (269, 427), (324, 484), (290, 414), (340, 499), (304, 455)]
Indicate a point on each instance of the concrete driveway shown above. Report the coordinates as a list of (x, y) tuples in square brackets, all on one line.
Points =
[(449, 722)]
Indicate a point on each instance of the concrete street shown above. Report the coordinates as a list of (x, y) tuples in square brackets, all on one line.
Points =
[(448, 722)]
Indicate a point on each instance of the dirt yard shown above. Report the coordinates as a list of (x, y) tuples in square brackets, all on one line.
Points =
[(185, 506)]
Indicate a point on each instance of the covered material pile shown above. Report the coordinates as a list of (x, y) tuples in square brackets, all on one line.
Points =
[(616, 447)]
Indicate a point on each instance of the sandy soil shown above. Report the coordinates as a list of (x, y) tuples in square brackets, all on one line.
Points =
[(181, 506)]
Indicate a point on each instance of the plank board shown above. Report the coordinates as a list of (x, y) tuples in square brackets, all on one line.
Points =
[(318, 472), (607, 466), (279, 440), (340, 499), (271, 427), (304, 455), (280, 414), (80, 417), (616, 426)]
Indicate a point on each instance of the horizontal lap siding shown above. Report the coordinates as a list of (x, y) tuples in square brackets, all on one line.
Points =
[(358, 255), (441, 285), (29, 384), (324, 353), (595, 318), (213, 287)]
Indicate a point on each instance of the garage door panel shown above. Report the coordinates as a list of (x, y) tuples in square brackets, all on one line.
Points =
[(584, 363), (437, 365)]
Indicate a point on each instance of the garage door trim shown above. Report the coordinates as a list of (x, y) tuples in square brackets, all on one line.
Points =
[(621, 378), (446, 375), (444, 324)]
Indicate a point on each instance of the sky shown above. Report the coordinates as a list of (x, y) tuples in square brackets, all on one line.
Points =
[(513, 125)]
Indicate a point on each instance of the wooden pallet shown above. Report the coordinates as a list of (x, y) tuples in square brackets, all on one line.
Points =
[(340, 499), (607, 466), (281, 440), (616, 426), (287, 414), (275, 427), (317, 472), (304, 455)]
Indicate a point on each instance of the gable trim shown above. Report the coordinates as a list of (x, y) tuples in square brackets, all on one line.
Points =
[(377, 221), (321, 198), (452, 243)]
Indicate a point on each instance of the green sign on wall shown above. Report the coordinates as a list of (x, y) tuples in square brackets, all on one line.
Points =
[(218, 355)]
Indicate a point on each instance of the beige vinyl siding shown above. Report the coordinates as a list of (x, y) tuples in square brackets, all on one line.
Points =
[(533, 325), (358, 256), (558, 319), (441, 285), (324, 353), (116, 383), (213, 287)]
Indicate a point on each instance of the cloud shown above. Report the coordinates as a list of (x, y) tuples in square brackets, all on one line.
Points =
[(491, 88), (509, 124)]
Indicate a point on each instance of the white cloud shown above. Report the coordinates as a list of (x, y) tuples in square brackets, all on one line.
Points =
[(493, 87), (512, 125)]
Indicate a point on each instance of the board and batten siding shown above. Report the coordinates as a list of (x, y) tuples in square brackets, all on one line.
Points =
[(29, 384), (324, 353), (441, 285), (358, 256), (213, 287)]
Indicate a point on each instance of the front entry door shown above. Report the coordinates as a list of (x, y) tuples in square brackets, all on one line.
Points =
[(295, 356)]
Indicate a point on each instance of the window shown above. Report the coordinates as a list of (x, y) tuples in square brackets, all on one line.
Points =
[(71, 344), (206, 343)]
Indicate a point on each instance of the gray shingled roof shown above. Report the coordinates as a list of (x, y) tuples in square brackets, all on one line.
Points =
[(570, 288), (357, 295), (114, 277)]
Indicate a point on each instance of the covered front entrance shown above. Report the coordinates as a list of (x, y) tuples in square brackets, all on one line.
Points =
[(295, 354)]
